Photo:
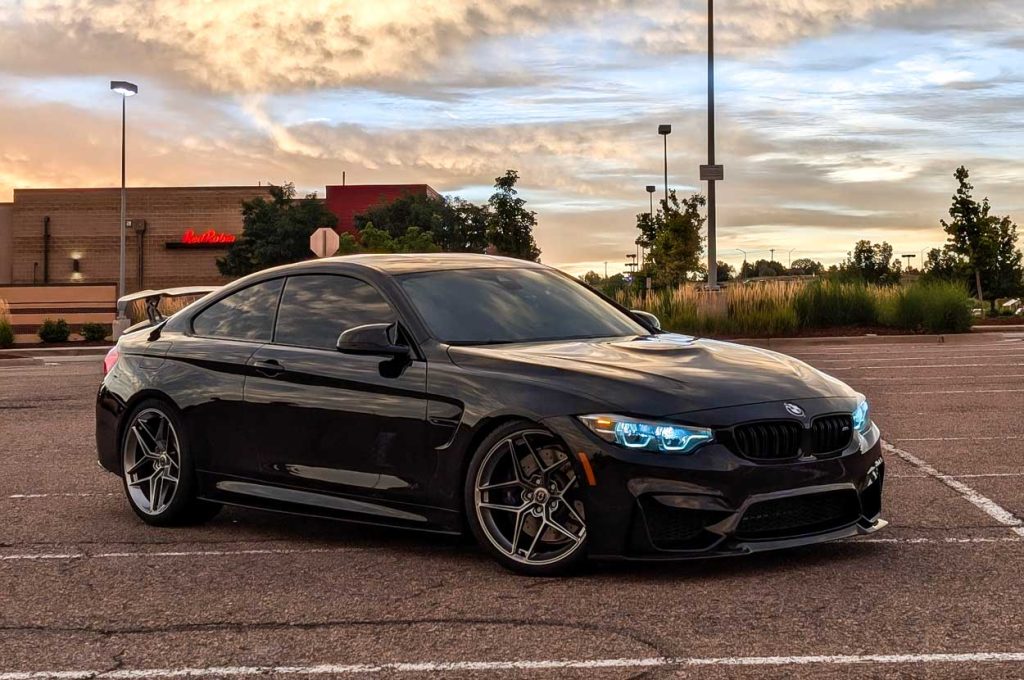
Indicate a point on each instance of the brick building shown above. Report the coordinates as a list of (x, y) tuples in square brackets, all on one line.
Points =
[(348, 200), (60, 236)]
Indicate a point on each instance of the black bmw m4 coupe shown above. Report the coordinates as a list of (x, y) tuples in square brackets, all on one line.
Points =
[(454, 393)]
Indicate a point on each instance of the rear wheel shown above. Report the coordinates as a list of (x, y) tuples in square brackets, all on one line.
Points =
[(157, 469), (523, 501)]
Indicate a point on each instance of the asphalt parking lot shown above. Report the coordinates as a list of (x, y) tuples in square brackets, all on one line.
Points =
[(87, 590)]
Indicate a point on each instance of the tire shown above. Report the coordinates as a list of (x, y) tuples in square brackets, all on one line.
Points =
[(155, 458), (522, 500)]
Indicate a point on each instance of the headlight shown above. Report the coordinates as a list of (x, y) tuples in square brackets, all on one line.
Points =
[(647, 435), (860, 416)]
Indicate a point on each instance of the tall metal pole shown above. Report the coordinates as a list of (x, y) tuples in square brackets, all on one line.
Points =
[(121, 285), (712, 249), (665, 137)]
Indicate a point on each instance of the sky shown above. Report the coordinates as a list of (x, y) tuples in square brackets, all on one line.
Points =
[(837, 119)]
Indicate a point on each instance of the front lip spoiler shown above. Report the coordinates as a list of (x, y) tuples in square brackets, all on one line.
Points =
[(734, 549)]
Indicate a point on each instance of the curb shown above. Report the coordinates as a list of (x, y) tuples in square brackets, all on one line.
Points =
[(951, 339), (42, 352), (1005, 328)]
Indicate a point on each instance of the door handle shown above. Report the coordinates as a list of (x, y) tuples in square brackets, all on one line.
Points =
[(268, 367)]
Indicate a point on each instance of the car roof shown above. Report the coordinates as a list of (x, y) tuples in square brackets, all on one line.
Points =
[(424, 262)]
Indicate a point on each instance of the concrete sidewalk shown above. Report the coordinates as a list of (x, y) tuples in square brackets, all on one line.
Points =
[(37, 356)]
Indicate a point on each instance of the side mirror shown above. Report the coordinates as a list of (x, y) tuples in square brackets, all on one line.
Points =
[(649, 318), (374, 339)]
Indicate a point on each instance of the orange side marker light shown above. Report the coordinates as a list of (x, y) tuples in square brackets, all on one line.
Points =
[(588, 471)]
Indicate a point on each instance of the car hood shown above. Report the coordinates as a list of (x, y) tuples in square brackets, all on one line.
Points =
[(657, 375)]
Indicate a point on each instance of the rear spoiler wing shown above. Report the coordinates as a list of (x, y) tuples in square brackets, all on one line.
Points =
[(153, 297)]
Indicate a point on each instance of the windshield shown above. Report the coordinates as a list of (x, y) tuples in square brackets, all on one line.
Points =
[(488, 306)]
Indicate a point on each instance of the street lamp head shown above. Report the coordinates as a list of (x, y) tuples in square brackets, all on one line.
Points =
[(651, 188), (664, 129), (124, 88)]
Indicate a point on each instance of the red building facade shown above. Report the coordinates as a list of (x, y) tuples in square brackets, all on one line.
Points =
[(348, 200)]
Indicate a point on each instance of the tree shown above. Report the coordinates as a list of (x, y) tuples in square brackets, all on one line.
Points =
[(1006, 274), (943, 264), (453, 224), (275, 231), (592, 278), (509, 224), (374, 240), (806, 266), (674, 239), (872, 263), (968, 231), (762, 268), (980, 245)]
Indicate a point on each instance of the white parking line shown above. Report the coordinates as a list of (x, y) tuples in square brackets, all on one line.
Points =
[(30, 496), (986, 505), (982, 391), (947, 540), (854, 367), (973, 476), (888, 357), (174, 553), (925, 378), (958, 439), (918, 346), (521, 665)]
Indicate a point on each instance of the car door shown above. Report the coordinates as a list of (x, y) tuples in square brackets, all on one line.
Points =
[(332, 422), (205, 371)]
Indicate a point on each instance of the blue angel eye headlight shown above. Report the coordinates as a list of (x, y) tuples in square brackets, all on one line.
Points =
[(646, 435), (860, 416)]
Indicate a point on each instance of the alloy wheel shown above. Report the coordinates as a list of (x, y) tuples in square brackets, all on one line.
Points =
[(526, 499), (151, 461)]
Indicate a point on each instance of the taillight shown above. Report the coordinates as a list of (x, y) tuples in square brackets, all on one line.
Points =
[(108, 361)]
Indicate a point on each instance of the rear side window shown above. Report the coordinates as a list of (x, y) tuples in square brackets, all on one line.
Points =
[(245, 315), (316, 308)]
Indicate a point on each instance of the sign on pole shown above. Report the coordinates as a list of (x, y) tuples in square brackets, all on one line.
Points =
[(324, 242), (712, 173)]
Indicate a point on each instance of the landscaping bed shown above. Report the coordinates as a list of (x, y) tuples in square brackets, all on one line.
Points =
[(808, 309)]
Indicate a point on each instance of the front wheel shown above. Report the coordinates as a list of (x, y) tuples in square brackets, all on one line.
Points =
[(157, 470), (523, 504)]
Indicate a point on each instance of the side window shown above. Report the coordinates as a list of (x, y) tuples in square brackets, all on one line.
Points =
[(316, 308), (245, 315)]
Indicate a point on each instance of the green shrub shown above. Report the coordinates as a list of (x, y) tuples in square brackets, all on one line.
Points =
[(54, 331), (783, 308), (94, 332), (827, 303), (934, 306), (6, 333)]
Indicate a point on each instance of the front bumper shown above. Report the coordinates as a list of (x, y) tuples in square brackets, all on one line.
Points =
[(715, 503)]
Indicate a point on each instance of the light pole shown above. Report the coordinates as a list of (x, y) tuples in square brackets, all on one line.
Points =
[(665, 130), (744, 265), (711, 172), (791, 257), (125, 89), (650, 194)]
